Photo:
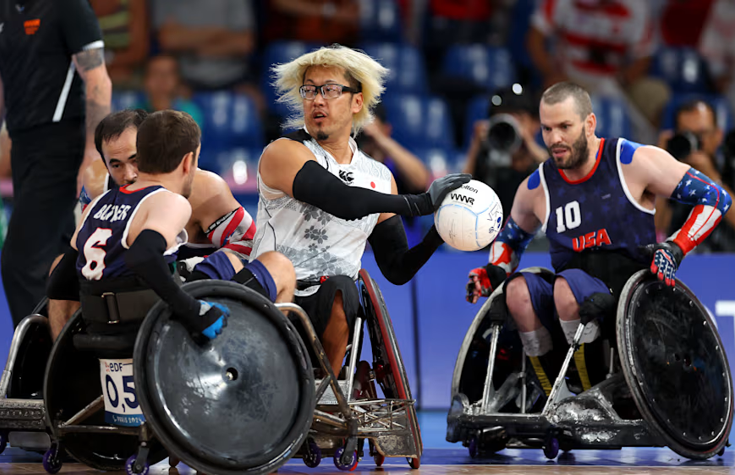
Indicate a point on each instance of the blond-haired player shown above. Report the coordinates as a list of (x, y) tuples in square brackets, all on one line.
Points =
[(322, 199)]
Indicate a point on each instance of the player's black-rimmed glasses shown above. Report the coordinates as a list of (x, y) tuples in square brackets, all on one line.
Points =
[(329, 91)]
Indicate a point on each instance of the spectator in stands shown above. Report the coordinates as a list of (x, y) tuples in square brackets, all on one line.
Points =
[(125, 31), (410, 173), (314, 21), (456, 21), (213, 40), (605, 46), (505, 158), (163, 88), (681, 22), (717, 46), (412, 176), (699, 119)]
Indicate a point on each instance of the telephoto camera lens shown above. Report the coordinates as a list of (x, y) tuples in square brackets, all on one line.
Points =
[(504, 134), (681, 145)]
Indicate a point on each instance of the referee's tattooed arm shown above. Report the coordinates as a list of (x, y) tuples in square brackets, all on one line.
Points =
[(90, 64)]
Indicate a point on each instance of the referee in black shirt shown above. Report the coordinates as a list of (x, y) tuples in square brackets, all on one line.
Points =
[(53, 77)]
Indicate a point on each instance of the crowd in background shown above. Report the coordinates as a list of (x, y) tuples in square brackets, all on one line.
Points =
[(454, 63)]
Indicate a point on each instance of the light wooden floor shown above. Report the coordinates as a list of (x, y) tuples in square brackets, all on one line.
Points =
[(456, 461)]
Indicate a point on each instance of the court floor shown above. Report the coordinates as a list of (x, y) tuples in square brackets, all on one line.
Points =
[(441, 457)]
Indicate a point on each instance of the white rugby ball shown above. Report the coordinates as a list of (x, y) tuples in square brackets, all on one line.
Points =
[(470, 217)]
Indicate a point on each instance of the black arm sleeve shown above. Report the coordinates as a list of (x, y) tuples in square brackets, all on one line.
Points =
[(145, 258), (63, 283), (79, 26), (396, 261), (316, 186)]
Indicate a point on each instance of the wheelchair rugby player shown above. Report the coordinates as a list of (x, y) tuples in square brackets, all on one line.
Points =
[(613, 288)]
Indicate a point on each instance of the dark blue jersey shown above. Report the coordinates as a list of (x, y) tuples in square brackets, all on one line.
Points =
[(101, 241), (596, 213)]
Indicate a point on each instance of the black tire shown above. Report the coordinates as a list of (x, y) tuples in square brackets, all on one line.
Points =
[(662, 334), (265, 380)]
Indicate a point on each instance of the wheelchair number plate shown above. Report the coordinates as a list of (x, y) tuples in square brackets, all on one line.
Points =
[(121, 401)]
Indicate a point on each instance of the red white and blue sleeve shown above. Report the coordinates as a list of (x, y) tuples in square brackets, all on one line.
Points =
[(234, 231), (508, 247), (710, 203)]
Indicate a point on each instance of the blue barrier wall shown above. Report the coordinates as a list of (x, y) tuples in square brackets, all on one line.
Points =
[(431, 332)]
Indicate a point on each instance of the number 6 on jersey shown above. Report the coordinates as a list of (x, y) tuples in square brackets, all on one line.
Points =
[(94, 254)]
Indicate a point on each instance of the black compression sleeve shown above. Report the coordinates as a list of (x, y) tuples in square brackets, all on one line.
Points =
[(145, 258), (63, 283), (316, 186), (396, 261)]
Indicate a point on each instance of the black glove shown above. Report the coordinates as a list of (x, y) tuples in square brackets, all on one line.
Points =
[(597, 306), (440, 187), (483, 281), (209, 321), (666, 257)]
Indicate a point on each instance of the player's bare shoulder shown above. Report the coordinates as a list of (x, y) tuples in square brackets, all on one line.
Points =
[(283, 149), (281, 162), (531, 196), (207, 185)]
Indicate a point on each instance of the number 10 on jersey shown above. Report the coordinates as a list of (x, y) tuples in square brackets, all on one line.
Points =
[(568, 217)]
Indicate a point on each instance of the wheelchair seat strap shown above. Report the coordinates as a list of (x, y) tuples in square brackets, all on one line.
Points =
[(118, 307)]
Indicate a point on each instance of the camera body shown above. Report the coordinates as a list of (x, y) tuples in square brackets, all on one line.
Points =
[(683, 144)]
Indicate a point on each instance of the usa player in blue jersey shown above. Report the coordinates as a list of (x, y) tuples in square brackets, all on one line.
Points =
[(217, 219), (594, 198), (129, 236)]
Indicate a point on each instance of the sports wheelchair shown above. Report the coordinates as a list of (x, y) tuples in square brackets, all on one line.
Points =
[(670, 386), (239, 404), (183, 396), (343, 421), (22, 412)]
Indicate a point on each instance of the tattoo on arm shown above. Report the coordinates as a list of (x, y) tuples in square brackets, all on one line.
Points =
[(96, 109), (98, 87), (89, 59)]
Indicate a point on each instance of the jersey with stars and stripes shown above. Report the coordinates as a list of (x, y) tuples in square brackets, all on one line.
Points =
[(596, 212), (710, 203)]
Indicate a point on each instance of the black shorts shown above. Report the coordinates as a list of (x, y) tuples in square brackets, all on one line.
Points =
[(319, 305)]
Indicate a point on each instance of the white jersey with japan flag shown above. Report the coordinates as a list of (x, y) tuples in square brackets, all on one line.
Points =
[(318, 243)]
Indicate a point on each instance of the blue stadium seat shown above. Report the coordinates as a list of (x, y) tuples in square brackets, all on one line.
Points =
[(407, 70), (279, 52), (380, 20), (487, 67), (722, 108), (440, 161), (476, 110), (126, 100), (230, 120), (419, 121), (683, 69), (612, 117)]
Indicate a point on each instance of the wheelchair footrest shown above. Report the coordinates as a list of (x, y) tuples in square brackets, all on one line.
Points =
[(22, 414)]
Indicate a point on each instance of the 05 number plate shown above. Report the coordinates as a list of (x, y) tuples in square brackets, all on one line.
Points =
[(121, 402)]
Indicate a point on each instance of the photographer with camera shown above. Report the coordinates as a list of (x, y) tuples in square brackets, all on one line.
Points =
[(698, 142), (504, 151)]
